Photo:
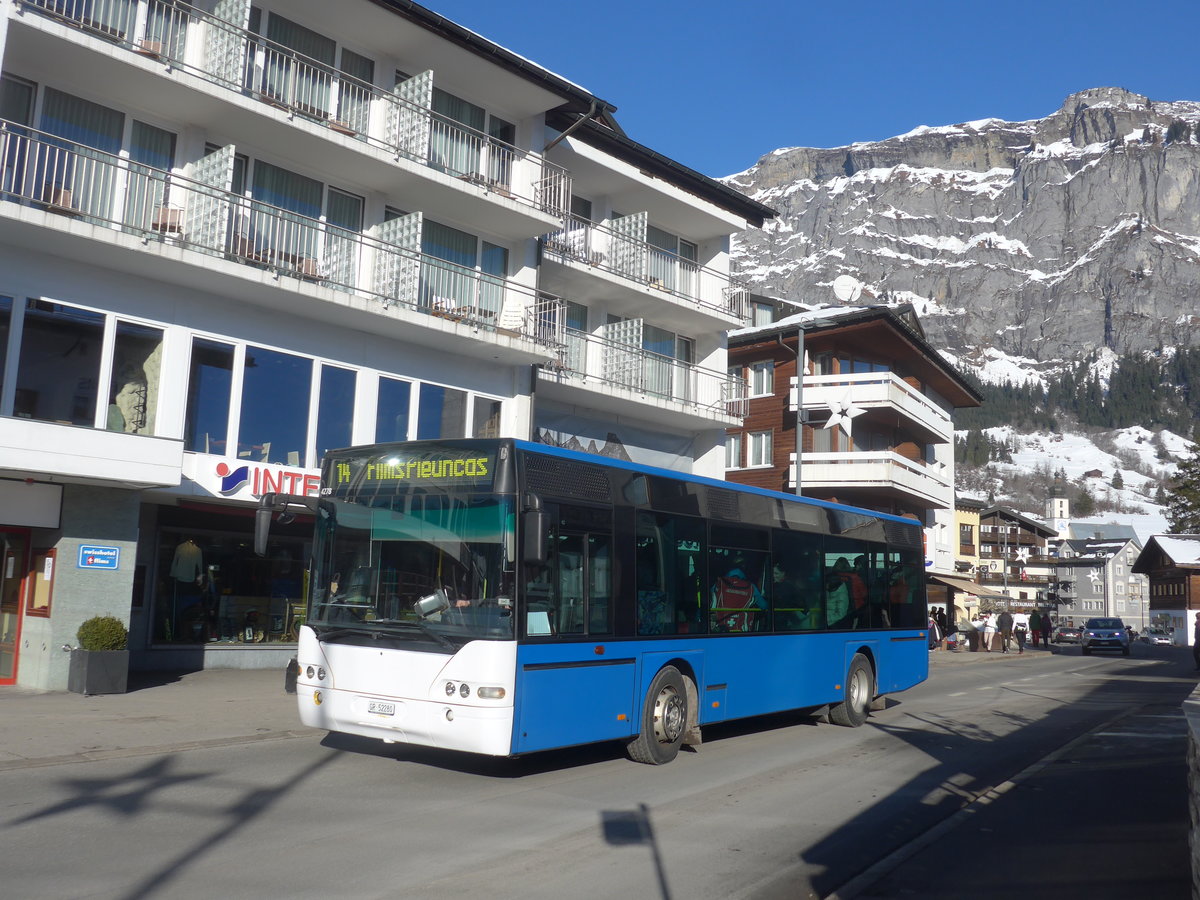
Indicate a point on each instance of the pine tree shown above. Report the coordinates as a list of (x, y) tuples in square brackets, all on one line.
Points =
[(1083, 504), (1183, 501), (1117, 481)]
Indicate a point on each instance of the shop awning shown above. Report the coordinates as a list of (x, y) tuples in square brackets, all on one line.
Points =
[(969, 587)]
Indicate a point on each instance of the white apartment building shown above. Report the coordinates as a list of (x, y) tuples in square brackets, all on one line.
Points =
[(235, 236)]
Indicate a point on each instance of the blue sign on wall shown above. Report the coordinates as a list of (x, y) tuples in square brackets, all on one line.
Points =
[(92, 556)]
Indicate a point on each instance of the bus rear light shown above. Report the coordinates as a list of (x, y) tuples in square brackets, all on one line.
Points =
[(490, 693)]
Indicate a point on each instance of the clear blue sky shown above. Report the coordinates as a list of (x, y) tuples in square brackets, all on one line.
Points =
[(716, 85)]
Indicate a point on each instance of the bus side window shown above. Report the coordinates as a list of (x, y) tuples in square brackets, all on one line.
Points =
[(797, 593)]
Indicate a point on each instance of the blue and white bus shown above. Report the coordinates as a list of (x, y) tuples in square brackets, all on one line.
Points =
[(504, 597)]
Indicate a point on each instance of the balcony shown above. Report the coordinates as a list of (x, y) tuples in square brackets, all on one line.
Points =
[(623, 255), (609, 375), (878, 392), (863, 478), (401, 122), (116, 196)]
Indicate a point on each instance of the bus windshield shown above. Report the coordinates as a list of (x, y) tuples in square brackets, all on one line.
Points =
[(434, 567)]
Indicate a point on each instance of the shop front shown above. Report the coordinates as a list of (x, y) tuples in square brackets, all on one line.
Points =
[(207, 600)]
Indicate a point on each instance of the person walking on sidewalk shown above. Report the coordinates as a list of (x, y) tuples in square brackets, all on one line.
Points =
[(1035, 626), (1004, 624), (1019, 630)]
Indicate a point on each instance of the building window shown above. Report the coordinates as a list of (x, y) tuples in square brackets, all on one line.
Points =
[(762, 379), (760, 448), (58, 366), (335, 410), (733, 451), (391, 412), (761, 313), (485, 418), (206, 426), (6, 304), (134, 383), (441, 413), (275, 392)]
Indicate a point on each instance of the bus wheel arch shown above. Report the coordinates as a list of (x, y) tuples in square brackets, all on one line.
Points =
[(858, 693), (666, 716)]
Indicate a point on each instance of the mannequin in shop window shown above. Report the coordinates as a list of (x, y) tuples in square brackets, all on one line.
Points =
[(191, 607)]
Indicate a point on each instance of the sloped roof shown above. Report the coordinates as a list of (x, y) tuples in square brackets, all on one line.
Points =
[(1183, 550)]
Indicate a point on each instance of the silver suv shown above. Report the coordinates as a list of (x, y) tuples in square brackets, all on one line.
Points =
[(1104, 634)]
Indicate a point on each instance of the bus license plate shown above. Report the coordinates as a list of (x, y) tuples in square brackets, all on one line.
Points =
[(381, 708)]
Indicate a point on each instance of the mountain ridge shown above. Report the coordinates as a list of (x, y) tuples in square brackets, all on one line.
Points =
[(1045, 240)]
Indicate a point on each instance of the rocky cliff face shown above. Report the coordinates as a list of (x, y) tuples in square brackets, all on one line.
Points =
[(1046, 239)]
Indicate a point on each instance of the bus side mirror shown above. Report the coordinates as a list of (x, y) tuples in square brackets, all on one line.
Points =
[(262, 528), (536, 531)]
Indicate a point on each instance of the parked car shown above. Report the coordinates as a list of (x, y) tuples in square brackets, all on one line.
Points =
[(1066, 634), (1104, 634), (1155, 636)]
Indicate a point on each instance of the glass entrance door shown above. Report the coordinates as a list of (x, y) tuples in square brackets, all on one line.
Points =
[(14, 564)]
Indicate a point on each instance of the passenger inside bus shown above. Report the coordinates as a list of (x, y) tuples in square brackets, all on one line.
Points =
[(795, 597), (738, 603)]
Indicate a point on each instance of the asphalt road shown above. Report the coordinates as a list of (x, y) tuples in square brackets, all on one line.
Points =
[(773, 808)]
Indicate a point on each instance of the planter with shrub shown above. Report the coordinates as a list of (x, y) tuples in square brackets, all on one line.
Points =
[(100, 664)]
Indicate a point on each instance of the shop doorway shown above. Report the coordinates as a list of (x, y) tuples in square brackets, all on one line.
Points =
[(14, 567)]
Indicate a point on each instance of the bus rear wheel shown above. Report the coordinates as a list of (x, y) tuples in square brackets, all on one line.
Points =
[(664, 720), (860, 691)]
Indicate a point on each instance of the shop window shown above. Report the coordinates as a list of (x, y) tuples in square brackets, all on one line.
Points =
[(206, 428), (275, 393), (59, 364), (441, 413), (391, 411), (136, 374), (212, 588), (335, 410), (485, 418)]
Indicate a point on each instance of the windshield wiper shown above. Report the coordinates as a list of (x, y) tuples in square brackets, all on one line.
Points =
[(424, 629)]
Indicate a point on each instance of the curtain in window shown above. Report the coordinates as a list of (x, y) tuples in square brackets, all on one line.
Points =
[(500, 152), (493, 263), (344, 218), (453, 149), (664, 262), (286, 236), (73, 178), (354, 93), (151, 156), (16, 106), (292, 78), (450, 285)]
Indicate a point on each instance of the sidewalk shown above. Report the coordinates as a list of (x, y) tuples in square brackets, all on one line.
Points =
[(164, 712), (161, 712)]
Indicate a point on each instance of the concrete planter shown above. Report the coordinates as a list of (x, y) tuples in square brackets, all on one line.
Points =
[(98, 671)]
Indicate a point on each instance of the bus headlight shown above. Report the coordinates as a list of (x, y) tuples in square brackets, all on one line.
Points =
[(450, 689), (310, 672), (465, 690), (491, 693)]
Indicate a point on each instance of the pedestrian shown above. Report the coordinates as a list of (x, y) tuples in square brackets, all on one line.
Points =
[(987, 632), (1047, 628), (1035, 627), (1004, 624), (1196, 642), (1019, 630)]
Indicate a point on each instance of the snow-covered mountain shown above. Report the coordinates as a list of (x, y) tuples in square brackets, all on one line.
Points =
[(1021, 244)]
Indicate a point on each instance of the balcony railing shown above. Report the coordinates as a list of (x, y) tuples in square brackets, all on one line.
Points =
[(48, 173), (192, 40), (625, 256), (873, 469), (875, 389), (587, 357)]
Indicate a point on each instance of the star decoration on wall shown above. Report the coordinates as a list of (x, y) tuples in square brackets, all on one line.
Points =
[(842, 412), (1023, 554), (1095, 576)]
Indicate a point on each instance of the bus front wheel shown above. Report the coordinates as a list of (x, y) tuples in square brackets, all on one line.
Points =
[(664, 720), (860, 691)]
